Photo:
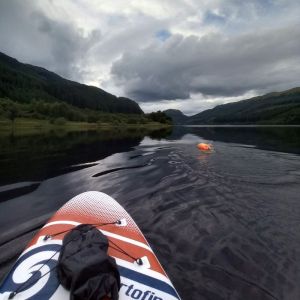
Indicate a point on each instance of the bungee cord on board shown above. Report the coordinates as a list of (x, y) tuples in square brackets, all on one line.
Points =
[(116, 247)]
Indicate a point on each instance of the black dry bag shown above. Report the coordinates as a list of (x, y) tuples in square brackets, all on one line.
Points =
[(84, 266)]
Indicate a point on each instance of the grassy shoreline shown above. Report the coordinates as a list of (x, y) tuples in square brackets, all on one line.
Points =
[(31, 126)]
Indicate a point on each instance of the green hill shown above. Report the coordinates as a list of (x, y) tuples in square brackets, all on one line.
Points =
[(25, 83), (177, 116), (274, 108)]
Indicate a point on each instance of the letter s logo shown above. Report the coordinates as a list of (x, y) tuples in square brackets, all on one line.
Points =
[(34, 274)]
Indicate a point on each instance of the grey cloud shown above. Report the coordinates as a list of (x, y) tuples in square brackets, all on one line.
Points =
[(126, 36), (149, 67), (212, 18), (213, 65), (29, 35), (68, 46)]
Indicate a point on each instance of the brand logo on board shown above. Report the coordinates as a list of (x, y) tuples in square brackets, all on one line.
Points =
[(138, 294)]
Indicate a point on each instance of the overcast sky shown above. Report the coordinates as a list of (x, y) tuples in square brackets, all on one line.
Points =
[(185, 54)]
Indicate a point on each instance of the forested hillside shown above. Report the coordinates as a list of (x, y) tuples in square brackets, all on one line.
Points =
[(177, 116), (275, 108), (25, 84)]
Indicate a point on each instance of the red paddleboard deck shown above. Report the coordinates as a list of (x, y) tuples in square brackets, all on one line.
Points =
[(34, 276)]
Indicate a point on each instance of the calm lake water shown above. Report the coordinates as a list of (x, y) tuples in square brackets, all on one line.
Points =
[(225, 225)]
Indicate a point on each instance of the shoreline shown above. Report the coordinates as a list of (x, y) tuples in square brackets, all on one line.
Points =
[(28, 126), (241, 125)]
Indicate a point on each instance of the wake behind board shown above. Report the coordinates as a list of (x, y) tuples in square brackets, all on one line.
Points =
[(35, 272)]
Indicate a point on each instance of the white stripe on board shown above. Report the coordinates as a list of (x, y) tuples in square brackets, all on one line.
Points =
[(62, 222), (125, 239)]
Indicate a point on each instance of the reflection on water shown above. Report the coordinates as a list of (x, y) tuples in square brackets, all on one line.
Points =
[(37, 157), (225, 225), (282, 138)]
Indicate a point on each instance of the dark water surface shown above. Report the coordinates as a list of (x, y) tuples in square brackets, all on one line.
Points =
[(225, 225)]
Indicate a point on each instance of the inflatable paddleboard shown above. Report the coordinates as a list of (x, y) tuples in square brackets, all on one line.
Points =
[(142, 277)]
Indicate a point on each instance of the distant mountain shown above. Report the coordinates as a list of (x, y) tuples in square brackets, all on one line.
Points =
[(176, 115), (273, 108), (24, 83)]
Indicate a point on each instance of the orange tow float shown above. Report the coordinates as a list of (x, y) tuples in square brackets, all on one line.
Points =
[(205, 147)]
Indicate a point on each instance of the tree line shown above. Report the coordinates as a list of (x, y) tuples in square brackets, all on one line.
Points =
[(58, 112)]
